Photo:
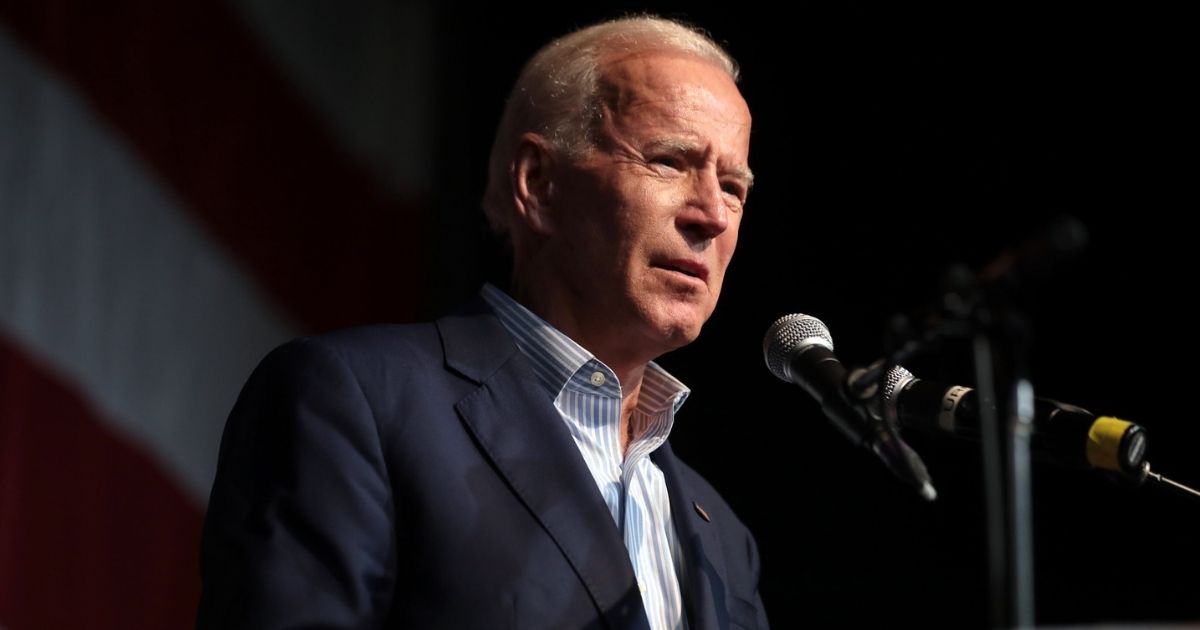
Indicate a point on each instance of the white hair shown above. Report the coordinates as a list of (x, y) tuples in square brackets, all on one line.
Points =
[(556, 94)]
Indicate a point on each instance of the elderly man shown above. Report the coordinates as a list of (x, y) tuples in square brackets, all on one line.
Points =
[(507, 466)]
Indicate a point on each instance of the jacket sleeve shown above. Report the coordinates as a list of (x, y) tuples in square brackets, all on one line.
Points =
[(300, 524)]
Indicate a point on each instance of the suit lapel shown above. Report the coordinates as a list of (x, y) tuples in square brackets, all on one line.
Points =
[(521, 432), (703, 582)]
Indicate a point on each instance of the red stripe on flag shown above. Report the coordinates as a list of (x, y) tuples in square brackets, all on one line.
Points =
[(92, 533), (189, 87)]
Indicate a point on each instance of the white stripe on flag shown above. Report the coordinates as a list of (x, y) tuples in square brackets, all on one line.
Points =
[(105, 276)]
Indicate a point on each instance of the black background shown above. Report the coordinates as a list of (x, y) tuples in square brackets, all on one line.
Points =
[(889, 144)]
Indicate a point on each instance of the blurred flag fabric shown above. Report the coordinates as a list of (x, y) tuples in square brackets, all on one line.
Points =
[(182, 187)]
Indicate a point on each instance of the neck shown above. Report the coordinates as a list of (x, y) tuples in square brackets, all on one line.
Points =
[(629, 402), (612, 347), (607, 342)]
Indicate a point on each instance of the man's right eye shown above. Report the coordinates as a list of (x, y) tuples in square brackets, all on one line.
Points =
[(669, 161)]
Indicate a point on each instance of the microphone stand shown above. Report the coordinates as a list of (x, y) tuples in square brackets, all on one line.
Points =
[(1000, 354), (1000, 341), (982, 308)]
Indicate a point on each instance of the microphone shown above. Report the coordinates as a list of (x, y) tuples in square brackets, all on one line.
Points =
[(799, 349), (1062, 433)]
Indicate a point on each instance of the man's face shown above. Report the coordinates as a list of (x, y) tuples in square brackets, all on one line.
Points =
[(650, 216)]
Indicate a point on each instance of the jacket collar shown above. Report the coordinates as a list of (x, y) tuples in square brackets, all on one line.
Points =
[(519, 430)]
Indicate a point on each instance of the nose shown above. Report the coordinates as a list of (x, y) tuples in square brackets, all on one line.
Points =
[(705, 216)]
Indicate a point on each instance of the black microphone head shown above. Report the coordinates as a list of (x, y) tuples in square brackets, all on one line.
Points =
[(789, 336)]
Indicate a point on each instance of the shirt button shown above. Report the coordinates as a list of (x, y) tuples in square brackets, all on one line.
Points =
[(597, 379)]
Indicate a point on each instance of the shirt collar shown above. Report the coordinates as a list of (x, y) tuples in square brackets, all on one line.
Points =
[(559, 361)]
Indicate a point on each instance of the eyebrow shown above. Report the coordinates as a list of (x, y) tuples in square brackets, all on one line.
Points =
[(744, 174), (680, 145)]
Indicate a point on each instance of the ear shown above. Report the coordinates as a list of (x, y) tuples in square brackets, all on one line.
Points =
[(533, 188)]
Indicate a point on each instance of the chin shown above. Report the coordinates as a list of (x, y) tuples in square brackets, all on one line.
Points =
[(678, 328)]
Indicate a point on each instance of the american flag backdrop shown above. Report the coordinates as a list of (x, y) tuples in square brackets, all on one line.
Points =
[(182, 187)]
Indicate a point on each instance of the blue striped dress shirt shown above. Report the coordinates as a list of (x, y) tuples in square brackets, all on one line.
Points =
[(588, 397)]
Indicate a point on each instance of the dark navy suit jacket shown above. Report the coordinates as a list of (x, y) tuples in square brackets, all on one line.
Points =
[(418, 476)]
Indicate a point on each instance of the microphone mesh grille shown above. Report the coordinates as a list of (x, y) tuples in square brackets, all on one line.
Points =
[(897, 379), (790, 335)]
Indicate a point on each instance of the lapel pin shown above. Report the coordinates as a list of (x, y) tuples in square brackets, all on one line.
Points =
[(701, 512)]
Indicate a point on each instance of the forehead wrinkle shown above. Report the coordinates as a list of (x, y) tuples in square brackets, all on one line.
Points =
[(676, 113), (623, 83)]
